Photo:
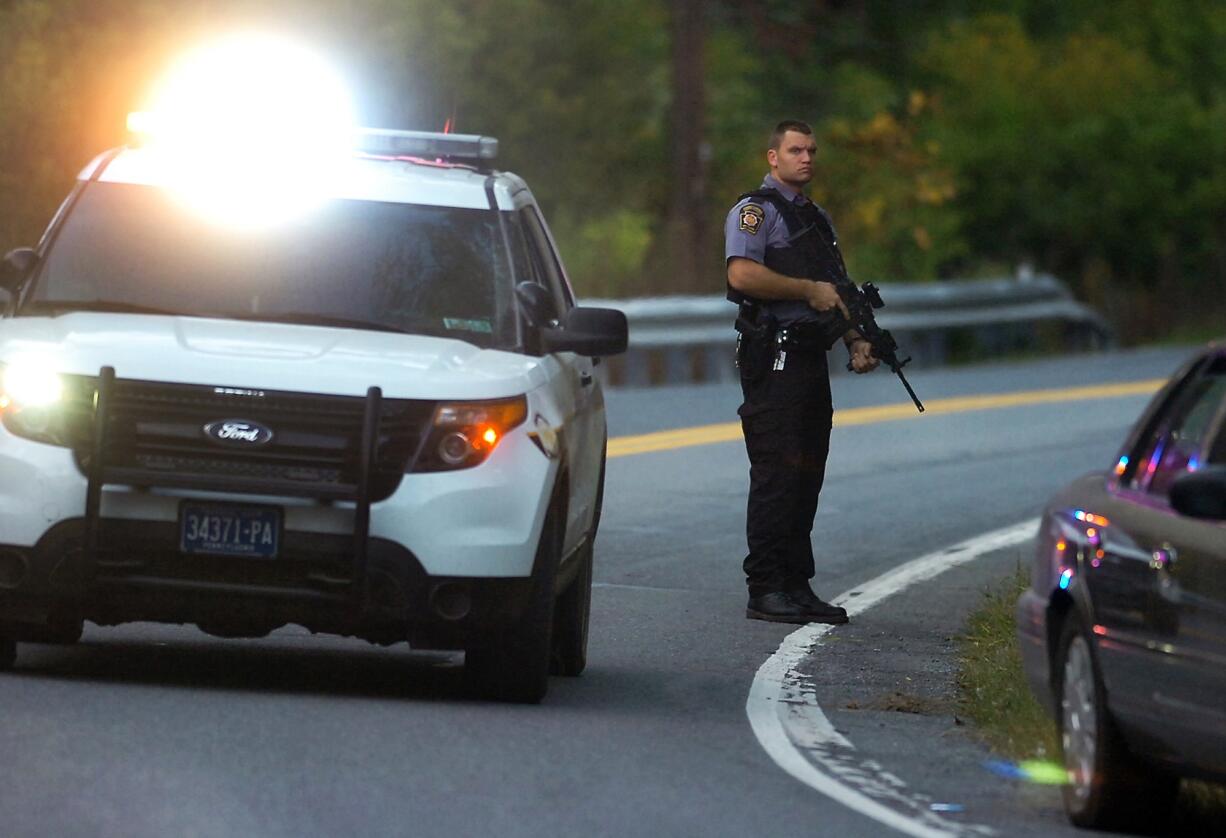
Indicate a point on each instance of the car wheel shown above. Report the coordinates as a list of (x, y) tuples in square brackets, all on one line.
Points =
[(56, 632), (8, 654), (1108, 786), (514, 665), (599, 509), (571, 616)]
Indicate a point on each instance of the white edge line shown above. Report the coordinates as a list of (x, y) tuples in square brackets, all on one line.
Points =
[(763, 705)]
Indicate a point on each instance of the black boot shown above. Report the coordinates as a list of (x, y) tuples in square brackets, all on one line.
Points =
[(778, 607), (819, 610)]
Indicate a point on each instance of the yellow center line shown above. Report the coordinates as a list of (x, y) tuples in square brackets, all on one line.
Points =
[(623, 446)]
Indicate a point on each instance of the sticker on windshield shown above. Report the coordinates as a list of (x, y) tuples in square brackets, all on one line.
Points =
[(468, 325)]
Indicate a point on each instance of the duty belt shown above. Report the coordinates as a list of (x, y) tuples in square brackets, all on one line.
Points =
[(793, 336), (801, 336)]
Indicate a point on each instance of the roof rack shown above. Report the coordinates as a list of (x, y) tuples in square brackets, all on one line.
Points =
[(426, 144)]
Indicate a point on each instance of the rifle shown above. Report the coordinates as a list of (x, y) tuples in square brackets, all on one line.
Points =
[(860, 303)]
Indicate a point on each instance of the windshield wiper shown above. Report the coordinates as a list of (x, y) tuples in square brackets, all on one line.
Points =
[(306, 318), (57, 307)]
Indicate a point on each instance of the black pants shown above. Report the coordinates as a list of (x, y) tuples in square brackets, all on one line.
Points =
[(786, 420)]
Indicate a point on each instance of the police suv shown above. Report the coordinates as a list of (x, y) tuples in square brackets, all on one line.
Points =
[(381, 420)]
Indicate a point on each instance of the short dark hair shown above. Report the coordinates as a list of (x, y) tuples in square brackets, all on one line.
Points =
[(785, 126)]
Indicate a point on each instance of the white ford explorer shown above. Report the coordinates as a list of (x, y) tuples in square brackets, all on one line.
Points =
[(381, 420)]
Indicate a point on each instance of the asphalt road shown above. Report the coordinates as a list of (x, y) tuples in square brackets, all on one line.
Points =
[(154, 731)]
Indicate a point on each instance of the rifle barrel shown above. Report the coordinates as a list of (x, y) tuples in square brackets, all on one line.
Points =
[(918, 404)]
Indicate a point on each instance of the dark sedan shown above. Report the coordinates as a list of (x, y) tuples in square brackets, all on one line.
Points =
[(1123, 628)]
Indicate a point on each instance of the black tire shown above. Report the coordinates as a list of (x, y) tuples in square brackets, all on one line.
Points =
[(8, 654), (604, 455), (574, 607), (57, 633), (571, 616), (513, 666), (1109, 788)]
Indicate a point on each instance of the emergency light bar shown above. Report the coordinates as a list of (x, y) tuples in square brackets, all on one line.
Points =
[(425, 144)]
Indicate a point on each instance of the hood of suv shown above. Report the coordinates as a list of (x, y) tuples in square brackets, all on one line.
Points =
[(269, 356)]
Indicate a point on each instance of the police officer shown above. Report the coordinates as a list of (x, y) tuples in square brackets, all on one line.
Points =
[(782, 253)]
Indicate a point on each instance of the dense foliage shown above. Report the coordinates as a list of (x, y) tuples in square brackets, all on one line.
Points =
[(957, 138)]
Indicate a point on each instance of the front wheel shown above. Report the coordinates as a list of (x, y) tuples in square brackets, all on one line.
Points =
[(574, 608), (514, 665), (58, 632), (1108, 786), (571, 617)]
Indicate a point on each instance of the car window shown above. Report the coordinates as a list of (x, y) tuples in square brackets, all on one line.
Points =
[(1217, 451), (527, 263), (1217, 447), (539, 242), (1180, 441), (414, 268)]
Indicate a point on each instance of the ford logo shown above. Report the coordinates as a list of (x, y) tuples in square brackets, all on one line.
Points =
[(238, 432)]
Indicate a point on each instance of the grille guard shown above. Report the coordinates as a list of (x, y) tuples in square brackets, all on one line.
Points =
[(100, 474)]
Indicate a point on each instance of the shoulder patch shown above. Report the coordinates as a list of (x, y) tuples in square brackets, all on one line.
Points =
[(752, 217)]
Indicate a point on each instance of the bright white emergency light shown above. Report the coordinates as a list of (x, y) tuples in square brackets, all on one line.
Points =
[(250, 130), (30, 383)]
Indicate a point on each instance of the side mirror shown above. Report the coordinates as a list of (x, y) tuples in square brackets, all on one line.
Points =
[(17, 264), (589, 331), (1201, 494), (536, 304)]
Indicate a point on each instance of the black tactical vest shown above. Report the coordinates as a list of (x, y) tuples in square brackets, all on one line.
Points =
[(813, 252)]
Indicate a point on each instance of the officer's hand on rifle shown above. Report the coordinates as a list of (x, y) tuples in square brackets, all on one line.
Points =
[(862, 359), (823, 296)]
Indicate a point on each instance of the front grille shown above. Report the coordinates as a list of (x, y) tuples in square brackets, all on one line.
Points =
[(156, 437)]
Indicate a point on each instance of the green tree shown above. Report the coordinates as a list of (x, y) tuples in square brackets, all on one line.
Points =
[(891, 195), (1084, 154), (576, 92)]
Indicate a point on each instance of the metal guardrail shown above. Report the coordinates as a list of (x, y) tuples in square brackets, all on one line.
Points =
[(681, 339)]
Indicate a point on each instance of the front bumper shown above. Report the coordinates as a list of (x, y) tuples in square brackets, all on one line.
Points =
[(104, 546), (139, 574), (480, 522), (1031, 619)]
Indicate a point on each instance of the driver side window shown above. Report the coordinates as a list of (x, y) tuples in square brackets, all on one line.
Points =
[(1180, 441), (545, 262)]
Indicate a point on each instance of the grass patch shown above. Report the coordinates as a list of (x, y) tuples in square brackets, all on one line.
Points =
[(992, 689)]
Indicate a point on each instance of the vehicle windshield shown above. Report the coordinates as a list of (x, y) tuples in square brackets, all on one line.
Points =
[(355, 264)]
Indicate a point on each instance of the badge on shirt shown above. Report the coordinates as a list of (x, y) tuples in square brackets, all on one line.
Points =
[(752, 217)]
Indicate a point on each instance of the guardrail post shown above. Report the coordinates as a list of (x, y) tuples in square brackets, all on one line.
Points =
[(636, 368), (679, 365), (719, 360)]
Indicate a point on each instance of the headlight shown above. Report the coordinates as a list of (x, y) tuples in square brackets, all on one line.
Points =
[(30, 384), (35, 402), (462, 434)]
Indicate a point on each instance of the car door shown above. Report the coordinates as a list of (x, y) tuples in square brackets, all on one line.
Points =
[(1202, 562), (584, 425), (1187, 556)]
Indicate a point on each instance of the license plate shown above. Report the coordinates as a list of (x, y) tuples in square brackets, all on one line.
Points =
[(223, 529)]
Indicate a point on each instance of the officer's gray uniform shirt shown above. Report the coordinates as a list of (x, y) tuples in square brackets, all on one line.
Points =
[(752, 226)]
